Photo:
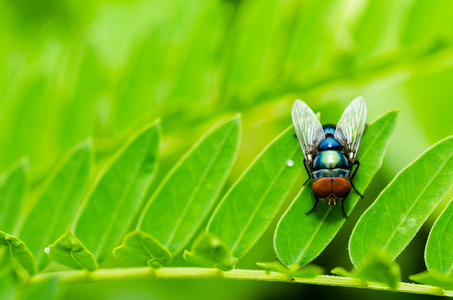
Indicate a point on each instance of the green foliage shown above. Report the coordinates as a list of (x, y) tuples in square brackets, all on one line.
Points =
[(18, 252), (45, 290), (307, 271), (55, 209), (186, 195), (69, 251), (250, 204), (439, 248), (378, 267), (433, 278), (118, 192), (12, 191), (7, 284), (70, 70), (143, 249), (404, 205), (299, 238), (183, 199), (209, 251), (438, 253)]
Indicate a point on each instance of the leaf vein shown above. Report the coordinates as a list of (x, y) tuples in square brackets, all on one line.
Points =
[(263, 197), (416, 200), (195, 192)]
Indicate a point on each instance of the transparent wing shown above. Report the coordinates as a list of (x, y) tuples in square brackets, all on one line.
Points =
[(308, 129), (351, 126)]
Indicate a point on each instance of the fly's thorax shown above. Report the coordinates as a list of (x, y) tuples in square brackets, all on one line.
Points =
[(330, 159), (329, 143), (329, 129)]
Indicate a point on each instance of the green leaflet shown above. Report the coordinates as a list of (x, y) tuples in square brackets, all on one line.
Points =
[(342, 272), (69, 251), (249, 206), (12, 191), (208, 250), (404, 205), (55, 209), (439, 253), (433, 278), (307, 271), (439, 248), (380, 268), (116, 196), (377, 267), (19, 252), (188, 192), (143, 249), (299, 238)]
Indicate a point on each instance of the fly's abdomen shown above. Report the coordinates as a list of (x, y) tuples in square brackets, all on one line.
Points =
[(330, 159), (332, 190)]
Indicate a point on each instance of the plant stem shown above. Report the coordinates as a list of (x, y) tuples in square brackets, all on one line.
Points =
[(69, 277)]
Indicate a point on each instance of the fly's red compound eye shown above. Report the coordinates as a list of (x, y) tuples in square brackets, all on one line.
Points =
[(341, 187), (322, 187)]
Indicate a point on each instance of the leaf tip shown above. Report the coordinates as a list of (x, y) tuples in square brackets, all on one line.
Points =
[(395, 111), (234, 121), (84, 145), (237, 116), (157, 123)]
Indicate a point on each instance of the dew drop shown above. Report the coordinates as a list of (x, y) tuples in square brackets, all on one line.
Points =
[(290, 163), (47, 250)]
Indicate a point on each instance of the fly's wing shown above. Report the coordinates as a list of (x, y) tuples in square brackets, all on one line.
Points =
[(308, 129), (351, 126)]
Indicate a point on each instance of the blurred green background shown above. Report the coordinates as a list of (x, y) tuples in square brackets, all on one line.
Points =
[(72, 69)]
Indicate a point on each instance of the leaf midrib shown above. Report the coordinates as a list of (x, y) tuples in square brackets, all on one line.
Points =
[(52, 227), (263, 197), (192, 196), (416, 201), (77, 261), (131, 183), (299, 257)]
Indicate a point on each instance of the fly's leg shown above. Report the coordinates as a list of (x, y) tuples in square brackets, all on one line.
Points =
[(355, 171), (352, 177), (308, 172), (342, 208), (314, 206), (361, 196)]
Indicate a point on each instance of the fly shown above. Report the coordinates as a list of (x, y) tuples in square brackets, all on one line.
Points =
[(330, 151)]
